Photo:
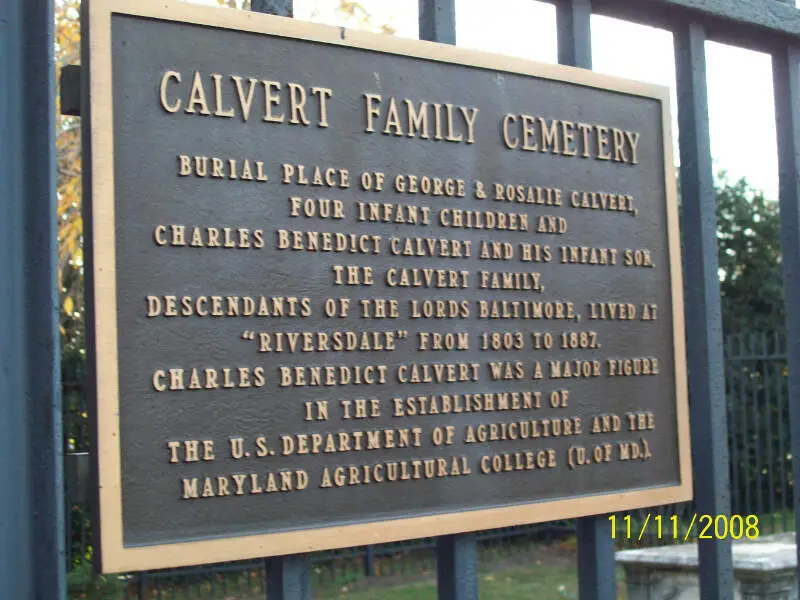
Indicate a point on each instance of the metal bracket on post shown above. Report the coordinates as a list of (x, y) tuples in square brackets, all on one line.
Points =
[(69, 85)]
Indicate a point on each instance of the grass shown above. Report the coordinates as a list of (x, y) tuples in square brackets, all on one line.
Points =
[(544, 572), (506, 571), (544, 582)]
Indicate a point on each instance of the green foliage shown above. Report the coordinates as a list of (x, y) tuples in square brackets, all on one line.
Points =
[(83, 582), (753, 314), (748, 233)]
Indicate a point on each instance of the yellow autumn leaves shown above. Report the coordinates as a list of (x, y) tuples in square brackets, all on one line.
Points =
[(68, 153), (68, 174)]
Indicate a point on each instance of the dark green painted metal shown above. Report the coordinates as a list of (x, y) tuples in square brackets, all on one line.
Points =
[(437, 21), (747, 438), (730, 386), (708, 414), (769, 382), (31, 449), (457, 567), (288, 577), (282, 8), (369, 561), (756, 24), (596, 568), (456, 555), (762, 24), (414, 556), (756, 413), (573, 24), (782, 408), (771, 16), (786, 79), (69, 84)]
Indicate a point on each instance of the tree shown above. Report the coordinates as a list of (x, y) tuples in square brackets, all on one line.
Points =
[(348, 13), (68, 148), (68, 181), (748, 224), (751, 281)]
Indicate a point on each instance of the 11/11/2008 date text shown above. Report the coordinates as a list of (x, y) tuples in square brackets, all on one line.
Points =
[(703, 527)]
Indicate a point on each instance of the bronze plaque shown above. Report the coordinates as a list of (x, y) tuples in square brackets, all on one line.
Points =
[(348, 288)]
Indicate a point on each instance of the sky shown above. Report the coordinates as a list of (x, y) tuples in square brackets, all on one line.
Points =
[(739, 81)]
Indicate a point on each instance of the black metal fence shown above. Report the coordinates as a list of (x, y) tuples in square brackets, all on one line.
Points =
[(756, 374), (757, 442)]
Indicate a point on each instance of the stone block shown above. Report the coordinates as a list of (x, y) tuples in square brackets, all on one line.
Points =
[(764, 569)]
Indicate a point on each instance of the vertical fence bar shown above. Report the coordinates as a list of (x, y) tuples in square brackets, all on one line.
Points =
[(437, 21), (784, 476), (281, 8), (573, 25), (733, 438), (457, 567), (369, 561), (785, 64), (596, 564), (456, 555), (744, 366), (768, 416), (756, 378), (288, 577), (703, 308), (32, 535), (143, 586)]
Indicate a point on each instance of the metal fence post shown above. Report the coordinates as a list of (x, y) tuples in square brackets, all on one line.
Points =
[(708, 409), (288, 577), (369, 561), (437, 21), (457, 567), (281, 8), (786, 80), (32, 559), (456, 555), (596, 565), (574, 33), (143, 587)]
